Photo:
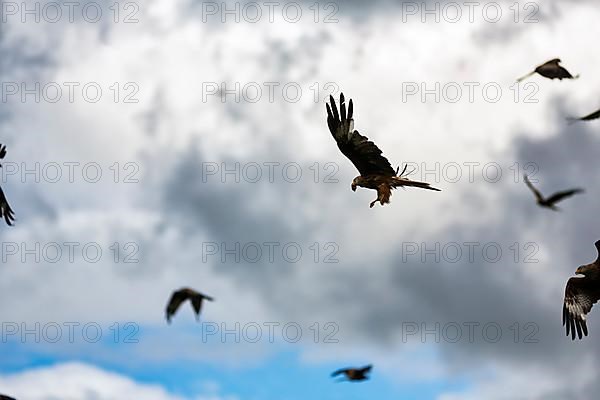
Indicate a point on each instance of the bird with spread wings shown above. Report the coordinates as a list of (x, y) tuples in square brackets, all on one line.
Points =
[(375, 170), (353, 374), (182, 295), (551, 70), (5, 211), (581, 294), (551, 201)]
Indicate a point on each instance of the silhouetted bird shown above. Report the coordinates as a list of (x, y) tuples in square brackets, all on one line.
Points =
[(589, 117), (552, 70), (555, 198), (580, 295), (353, 374), (375, 170), (182, 295), (3, 397), (5, 211)]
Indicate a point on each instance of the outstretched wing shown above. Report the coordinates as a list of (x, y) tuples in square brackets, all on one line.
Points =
[(3, 397), (197, 302), (197, 305), (563, 73), (536, 192), (580, 295), (558, 196), (342, 371), (589, 117), (5, 211), (552, 69), (177, 298), (363, 153)]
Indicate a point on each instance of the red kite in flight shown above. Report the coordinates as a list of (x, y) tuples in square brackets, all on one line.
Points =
[(551, 70), (580, 295), (5, 211), (353, 374), (182, 295), (552, 200), (375, 170)]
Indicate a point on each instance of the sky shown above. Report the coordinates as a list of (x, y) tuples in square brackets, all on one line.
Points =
[(160, 144)]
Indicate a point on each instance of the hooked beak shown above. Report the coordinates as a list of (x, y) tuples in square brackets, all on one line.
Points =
[(353, 186)]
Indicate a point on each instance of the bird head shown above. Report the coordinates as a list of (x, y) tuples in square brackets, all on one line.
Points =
[(590, 271)]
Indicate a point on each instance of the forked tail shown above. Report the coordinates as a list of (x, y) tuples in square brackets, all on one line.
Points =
[(399, 182)]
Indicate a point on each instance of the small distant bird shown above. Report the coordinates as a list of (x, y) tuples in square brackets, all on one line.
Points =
[(552, 70), (5, 211), (580, 295), (550, 201), (589, 117), (353, 374), (4, 397), (375, 170), (182, 295)]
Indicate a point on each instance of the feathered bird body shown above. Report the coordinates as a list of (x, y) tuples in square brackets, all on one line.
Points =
[(6, 211), (581, 293), (551, 70), (550, 202), (385, 184), (354, 374), (182, 295), (375, 170)]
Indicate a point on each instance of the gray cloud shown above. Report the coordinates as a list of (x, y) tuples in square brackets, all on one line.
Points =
[(371, 292)]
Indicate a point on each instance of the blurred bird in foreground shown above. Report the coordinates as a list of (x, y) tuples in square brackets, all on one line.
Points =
[(182, 295), (551, 70), (581, 294), (552, 200), (5, 211), (353, 374)]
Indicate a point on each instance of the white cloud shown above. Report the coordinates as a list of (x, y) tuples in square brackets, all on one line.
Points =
[(76, 381)]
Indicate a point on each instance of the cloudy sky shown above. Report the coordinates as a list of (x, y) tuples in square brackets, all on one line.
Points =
[(168, 143)]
